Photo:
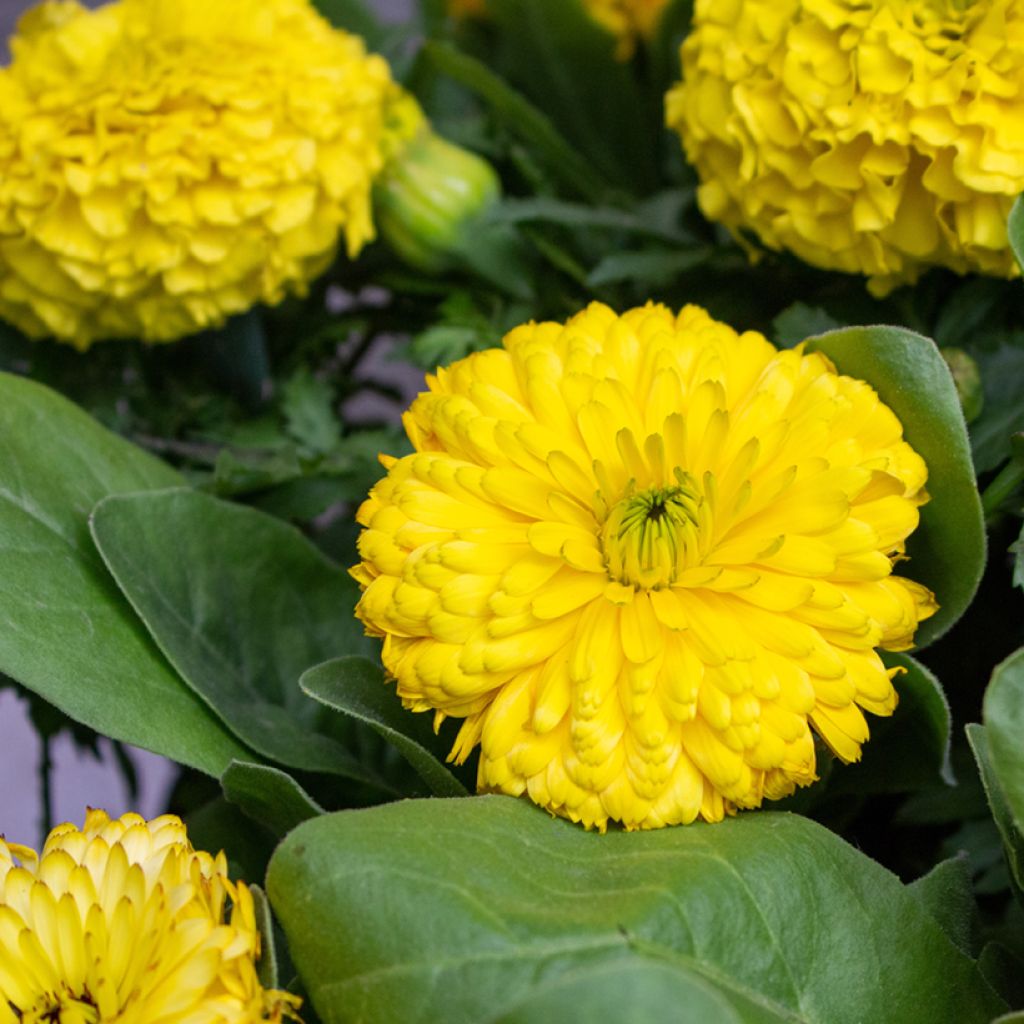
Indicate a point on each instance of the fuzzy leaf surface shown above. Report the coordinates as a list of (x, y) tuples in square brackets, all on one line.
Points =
[(469, 909)]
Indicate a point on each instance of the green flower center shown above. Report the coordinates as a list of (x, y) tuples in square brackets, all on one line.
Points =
[(651, 536)]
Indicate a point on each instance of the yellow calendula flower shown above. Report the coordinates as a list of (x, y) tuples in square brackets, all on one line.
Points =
[(124, 921), (165, 164), (642, 556), (628, 20), (878, 137)]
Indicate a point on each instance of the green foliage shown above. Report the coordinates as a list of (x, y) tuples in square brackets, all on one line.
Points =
[(241, 605), (1004, 728), (355, 687), (69, 635), (471, 909)]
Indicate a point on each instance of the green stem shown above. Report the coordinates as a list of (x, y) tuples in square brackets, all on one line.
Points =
[(1009, 479)]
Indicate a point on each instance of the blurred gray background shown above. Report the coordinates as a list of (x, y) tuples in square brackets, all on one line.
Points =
[(78, 779)]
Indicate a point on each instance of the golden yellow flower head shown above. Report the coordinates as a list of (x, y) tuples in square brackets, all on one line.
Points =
[(124, 921), (879, 137), (165, 164), (627, 20), (642, 555)]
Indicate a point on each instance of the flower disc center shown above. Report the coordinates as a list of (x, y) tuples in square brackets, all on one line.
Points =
[(651, 536)]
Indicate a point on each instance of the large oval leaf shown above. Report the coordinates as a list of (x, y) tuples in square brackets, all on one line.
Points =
[(947, 551), (68, 634), (465, 910), (242, 604)]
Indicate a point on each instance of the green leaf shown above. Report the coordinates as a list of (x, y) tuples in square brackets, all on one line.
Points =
[(356, 17), (1004, 971), (1018, 559), (565, 61), (1013, 841), (269, 796), (1015, 230), (800, 321), (910, 750), (576, 215), (519, 116), (307, 403), (355, 687), (655, 267), (1004, 726), (634, 990), (1002, 413), (468, 909), (68, 633), (242, 604), (947, 895), (947, 551), (267, 965)]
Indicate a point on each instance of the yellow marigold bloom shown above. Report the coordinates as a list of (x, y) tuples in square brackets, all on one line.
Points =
[(124, 921), (879, 137), (641, 555), (165, 164), (627, 20)]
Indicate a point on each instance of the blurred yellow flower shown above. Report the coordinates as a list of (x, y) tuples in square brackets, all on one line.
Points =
[(640, 555), (124, 921), (871, 136), (627, 20), (165, 164)]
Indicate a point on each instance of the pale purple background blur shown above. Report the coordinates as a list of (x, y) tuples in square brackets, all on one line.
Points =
[(78, 780)]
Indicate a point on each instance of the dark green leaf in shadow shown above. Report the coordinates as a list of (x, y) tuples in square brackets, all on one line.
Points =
[(269, 796), (673, 26), (1004, 971), (947, 551), (68, 634), (466, 909), (576, 215), (655, 267), (1013, 841), (356, 687), (242, 604), (1002, 413), (911, 749), (1004, 728), (947, 895), (565, 61), (519, 116)]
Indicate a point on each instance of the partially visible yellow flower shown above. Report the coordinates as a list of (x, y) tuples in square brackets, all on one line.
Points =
[(641, 556), (165, 164), (124, 921), (879, 137), (627, 20)]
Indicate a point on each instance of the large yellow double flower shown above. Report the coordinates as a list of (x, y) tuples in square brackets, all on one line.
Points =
[(642, 556)]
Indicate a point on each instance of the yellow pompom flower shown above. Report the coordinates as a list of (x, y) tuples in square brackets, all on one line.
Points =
[(124, 921), (641, 556), (878, 137), (165, 164), (627, 20)]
